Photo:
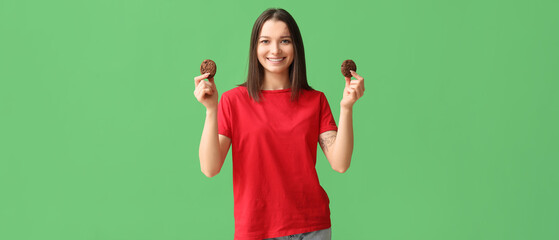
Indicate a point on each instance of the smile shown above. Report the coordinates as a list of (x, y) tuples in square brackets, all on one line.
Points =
[(275, 60)]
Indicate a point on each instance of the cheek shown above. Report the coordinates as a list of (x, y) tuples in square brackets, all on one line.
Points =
[(290, 51), (260, 55), (262, 49)]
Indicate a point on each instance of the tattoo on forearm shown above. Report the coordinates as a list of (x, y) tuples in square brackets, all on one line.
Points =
[(327, 140)]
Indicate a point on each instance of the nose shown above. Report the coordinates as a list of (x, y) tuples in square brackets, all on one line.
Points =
[(275, 50)]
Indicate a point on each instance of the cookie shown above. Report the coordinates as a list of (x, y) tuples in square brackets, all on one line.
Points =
[(208, 66), (348, 65)]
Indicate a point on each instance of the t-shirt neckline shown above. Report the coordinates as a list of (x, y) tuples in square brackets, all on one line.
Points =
[(277, 91)]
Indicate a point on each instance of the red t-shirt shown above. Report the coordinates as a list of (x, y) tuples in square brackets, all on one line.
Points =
[(274, 143)]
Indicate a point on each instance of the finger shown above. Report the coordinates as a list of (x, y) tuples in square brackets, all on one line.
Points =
[(355, 75), (358, 87), (204, 84), (359, 93), (211, 87), (197, 92), (358, 83), (211, 80), (198, 79), (201, 93), (363, 85), (197, 89), (354, 93), (347, 81), (208, 87), (201, 86)]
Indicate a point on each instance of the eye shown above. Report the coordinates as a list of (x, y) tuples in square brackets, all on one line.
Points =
[(285, 41), (264, 41)]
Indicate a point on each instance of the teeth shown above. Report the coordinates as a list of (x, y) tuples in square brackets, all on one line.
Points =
[(275, 59)]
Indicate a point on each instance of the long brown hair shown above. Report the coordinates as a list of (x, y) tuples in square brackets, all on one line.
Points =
[(297, 69)]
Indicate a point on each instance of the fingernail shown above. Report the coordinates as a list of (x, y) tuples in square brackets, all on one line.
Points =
[(351, 71)]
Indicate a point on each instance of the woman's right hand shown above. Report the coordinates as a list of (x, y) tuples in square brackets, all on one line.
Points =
[(205, 91)]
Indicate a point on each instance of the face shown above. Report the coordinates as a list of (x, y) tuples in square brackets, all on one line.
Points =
[(275, 47)]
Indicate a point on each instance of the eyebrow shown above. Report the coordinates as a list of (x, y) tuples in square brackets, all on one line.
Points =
[(280, 37)]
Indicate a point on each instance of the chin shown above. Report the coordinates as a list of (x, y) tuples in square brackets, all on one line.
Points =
[(276, 70)]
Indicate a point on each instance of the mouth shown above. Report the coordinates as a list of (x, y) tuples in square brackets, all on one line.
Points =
[(275, 60)]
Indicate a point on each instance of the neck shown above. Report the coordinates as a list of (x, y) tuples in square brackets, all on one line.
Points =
[(276, 81)]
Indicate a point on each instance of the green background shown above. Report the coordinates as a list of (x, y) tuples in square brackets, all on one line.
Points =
[(454, 137)]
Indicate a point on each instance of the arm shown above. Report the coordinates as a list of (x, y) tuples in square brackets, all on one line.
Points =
[(338, 146), (213, 146)]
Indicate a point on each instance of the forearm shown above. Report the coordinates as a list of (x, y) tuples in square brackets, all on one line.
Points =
[(343, 145), (209, 152)]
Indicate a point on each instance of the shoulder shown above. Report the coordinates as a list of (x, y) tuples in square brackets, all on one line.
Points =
[(314, 94), (235, 93)]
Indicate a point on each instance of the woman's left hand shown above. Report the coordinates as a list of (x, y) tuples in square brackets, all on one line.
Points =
[(354, 90)]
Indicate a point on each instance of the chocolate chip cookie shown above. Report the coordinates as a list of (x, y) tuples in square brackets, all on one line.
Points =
[(208, 66), (348, 65)]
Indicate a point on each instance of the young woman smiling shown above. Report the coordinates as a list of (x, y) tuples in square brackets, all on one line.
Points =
[(273, 121)]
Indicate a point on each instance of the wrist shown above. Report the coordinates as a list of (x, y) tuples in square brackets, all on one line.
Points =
[(345, 108), (211, 111)]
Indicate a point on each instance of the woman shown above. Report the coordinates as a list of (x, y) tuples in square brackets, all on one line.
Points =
[(273, 122)]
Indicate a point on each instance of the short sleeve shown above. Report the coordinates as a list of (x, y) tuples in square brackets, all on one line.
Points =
[(327, 122), (224, 116)]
